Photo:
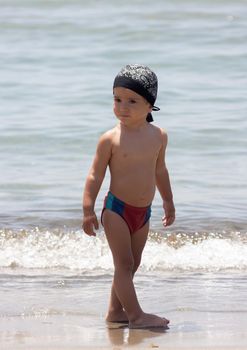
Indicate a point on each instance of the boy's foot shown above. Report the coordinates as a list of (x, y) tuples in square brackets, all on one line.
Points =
[(149, 321), (118, 317)]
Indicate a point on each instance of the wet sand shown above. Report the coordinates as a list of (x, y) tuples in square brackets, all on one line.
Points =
[(206, 311), (88, 332)]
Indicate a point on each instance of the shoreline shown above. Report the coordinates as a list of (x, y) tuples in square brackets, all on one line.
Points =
[(58, 311), (68, 312), (90, 332)]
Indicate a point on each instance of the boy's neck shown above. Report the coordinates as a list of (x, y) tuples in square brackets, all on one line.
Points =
[(134, 126)]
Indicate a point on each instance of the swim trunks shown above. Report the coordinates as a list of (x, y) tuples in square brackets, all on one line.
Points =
[(135, 217)]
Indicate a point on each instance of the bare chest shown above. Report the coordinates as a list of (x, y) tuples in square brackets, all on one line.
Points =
[(135, 149)]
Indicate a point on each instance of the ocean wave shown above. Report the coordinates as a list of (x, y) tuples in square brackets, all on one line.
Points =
[(73, 250)]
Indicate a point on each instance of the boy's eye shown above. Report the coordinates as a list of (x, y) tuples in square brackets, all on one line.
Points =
[(132, 101), (116, 99)]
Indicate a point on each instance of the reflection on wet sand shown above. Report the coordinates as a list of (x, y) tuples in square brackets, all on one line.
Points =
[(121, 334)]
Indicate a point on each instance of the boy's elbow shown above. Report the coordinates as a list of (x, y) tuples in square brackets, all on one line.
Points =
[(96, 177), (161, 171)]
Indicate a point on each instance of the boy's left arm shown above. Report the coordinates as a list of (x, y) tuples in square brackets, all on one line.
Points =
[(163, 184)]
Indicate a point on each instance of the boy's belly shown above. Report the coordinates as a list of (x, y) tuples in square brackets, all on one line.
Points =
[(135, 189)]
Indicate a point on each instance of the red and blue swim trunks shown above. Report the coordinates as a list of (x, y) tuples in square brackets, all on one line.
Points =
[(135, 217)]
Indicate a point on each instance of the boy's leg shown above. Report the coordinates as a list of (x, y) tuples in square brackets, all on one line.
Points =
[(138, 241), (119, 239), (115, 311)]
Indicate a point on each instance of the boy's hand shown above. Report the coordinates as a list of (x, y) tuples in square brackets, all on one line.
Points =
[(89, 223), (169, 217)]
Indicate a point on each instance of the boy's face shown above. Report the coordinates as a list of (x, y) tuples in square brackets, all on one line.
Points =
[(130, 107)]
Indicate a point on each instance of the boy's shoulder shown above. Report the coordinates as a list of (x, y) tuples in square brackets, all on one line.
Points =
[(109, 134), (160, 132), (106, 139)]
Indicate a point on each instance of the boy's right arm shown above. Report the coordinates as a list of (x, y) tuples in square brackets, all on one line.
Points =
[(93, 183)]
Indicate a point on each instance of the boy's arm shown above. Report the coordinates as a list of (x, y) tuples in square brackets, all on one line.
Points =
[(93, 183), (163, 184)]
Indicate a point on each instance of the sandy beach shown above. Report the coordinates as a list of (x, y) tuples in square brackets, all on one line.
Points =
[(67, 312), (90, 333)]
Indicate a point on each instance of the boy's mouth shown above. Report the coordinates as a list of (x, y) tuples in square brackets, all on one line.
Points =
[(124, 116)]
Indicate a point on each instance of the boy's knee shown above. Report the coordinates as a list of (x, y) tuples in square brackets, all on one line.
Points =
[(136, 265), (126, 265)]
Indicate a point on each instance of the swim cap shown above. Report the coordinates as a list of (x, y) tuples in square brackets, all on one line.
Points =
[(140, 79)]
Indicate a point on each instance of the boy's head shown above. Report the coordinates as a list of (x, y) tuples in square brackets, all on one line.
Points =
[(140, 79)]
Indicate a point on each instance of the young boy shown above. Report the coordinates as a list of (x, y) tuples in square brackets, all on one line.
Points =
[(134, 150)]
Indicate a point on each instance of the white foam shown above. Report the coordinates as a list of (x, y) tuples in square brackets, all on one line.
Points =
[(37, 249), (211, 254), (75, 250)]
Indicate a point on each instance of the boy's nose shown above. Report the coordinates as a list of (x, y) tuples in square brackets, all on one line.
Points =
[(124, 106)]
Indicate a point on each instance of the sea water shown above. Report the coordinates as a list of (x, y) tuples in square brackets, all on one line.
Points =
[(58, 60)]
